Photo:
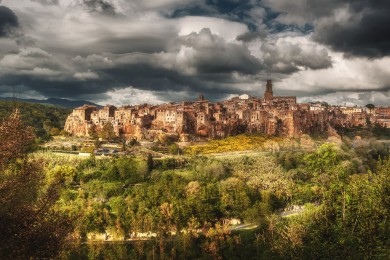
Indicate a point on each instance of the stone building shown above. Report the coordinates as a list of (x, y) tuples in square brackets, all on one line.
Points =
[(194, 119)]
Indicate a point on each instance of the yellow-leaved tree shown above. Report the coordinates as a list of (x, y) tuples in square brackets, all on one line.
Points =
[(29, 226)]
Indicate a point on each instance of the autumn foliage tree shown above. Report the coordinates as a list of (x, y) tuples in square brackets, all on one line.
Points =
[(29, 227), (108, 131), (15, 139)]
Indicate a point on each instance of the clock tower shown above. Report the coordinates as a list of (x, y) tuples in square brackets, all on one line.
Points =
[(268, 94)]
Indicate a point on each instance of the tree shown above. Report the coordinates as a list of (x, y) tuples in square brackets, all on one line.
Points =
[(15, 139), (167, 139), (149, 162), (323, 159), (64, 133), (173, 149), (92, 132), (41, 117), (29, 227), (54, 131), (133, 142), (124, 146), (108, 131), (370, 108), (234, 197), (279, 127), (74, 147)]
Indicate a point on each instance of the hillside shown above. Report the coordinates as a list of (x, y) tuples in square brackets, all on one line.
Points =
[(42, 117), (66, 103), (286, 204)]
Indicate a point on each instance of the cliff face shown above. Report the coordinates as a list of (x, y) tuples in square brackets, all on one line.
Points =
[(76, 126)]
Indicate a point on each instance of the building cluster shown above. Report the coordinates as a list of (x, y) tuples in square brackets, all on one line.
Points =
[(202, 119)]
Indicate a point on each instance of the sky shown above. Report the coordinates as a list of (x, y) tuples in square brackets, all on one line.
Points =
[(155, 51)]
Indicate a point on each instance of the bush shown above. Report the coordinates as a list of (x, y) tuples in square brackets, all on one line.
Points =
[(173, 149), (54, 131), (86, 149)]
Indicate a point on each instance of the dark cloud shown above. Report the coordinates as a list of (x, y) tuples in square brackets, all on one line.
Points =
[(46, 2), (355, 27), (251, 36), (196, 63), (287, 57), (8, 21), (147, 43), (214, 8), (141, 76), (363, 32), (301, 12), (213, 55), (200, 62), (100, 6), (93, 48)]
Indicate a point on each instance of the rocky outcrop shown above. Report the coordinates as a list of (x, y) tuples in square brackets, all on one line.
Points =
[(76, 126)]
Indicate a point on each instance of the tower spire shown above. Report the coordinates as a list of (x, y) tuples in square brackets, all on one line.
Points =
[(268, 94)]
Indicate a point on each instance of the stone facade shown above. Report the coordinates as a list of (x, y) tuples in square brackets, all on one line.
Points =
[(191, 120)]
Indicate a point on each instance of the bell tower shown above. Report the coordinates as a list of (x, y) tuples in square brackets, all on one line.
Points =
[(268, 94)]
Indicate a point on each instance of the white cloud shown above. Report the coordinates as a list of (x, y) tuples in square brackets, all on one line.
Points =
[(93, 60), (86, 75), (131, 96), (41, 72), (346, 75), (228, 30), (351, 98), (28, 59)]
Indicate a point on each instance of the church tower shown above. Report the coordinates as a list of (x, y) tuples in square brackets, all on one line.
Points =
[(268, 94)]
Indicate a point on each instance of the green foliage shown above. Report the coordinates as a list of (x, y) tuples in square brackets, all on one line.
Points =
[(344, 207), (133, 142), (30, 228), (62, 172), (324, 159), (351, 221), (371, 131), (89, 149), (234, 197), (173, 149), (208, 170), (107, 132), (64, 133), (168, 139), (381, 132), (290, 160), (54, 131), (262, 173), (42, 118), (149, 162), (74, 147)]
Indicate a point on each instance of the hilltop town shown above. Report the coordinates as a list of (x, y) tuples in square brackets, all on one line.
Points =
[(202, 119)]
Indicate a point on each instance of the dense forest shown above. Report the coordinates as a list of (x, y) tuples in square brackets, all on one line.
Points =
[(43, 118), (51, 203)]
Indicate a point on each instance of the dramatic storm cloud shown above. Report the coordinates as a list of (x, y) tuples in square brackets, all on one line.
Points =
[(8, 21), (355, 27), (119, 51)]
